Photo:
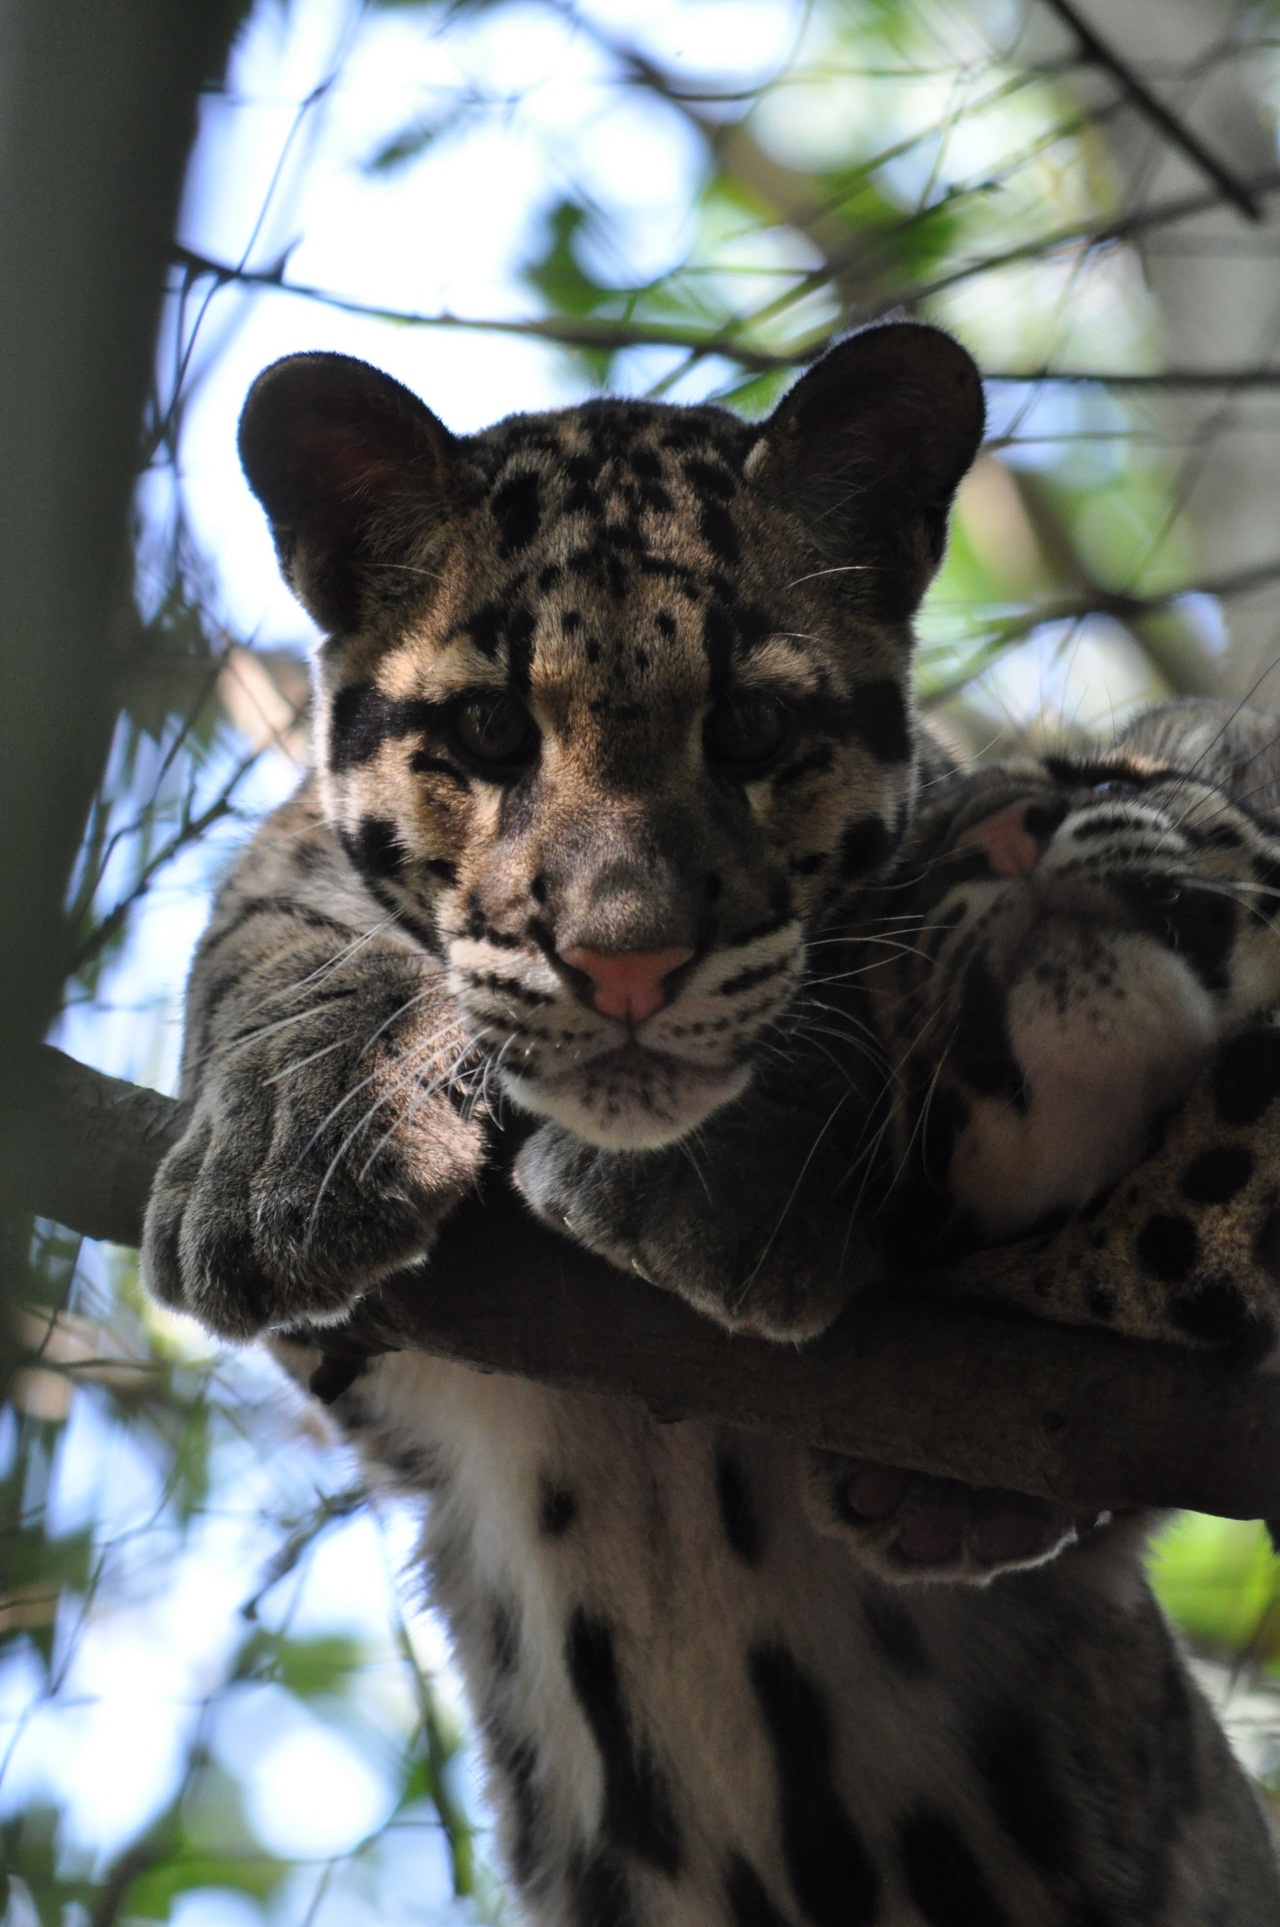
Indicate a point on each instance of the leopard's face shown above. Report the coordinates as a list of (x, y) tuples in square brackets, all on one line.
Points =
[(1088, 931), (616, 703)]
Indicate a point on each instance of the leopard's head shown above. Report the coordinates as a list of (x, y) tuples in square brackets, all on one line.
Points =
[(1085, 931), (615, 701)]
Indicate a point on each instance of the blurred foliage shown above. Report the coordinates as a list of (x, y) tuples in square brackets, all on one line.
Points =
[(212, 1711)]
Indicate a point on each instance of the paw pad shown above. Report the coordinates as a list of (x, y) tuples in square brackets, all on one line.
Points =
[(907, 1525)]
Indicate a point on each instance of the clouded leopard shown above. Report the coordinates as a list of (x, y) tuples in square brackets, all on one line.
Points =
[(622, 813)]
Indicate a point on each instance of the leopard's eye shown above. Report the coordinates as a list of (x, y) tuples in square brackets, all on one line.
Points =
[(494, 732), (745, 732), (1115, 786)]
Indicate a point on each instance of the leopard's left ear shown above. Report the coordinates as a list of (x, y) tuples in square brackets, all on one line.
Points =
[(867, 451), (357, 477)]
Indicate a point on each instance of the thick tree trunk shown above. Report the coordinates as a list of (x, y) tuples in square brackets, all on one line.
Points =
[(97, 110)]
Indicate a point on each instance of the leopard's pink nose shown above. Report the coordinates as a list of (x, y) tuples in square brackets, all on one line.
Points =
[(1006, 841), (629, 984)]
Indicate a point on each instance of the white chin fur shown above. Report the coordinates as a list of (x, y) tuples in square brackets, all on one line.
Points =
[(640, 1111)]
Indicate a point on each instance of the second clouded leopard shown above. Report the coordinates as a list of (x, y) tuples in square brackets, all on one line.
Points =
[(614, 739)]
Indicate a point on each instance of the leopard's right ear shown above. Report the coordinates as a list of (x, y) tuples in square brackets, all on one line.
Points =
[(357, 477)]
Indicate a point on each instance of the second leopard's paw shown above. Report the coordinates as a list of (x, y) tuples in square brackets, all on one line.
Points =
[(906, 1525)]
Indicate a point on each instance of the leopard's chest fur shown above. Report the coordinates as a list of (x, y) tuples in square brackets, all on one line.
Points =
[(699, 1711)]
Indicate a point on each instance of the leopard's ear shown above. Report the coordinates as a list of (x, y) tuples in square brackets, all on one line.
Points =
[(356, 476), (867, 451)]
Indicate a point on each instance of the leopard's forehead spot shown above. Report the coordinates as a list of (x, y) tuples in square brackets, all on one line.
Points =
[(614, 557), (617, 557)]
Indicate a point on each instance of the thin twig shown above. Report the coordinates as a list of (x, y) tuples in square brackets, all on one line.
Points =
[(1100, 53)]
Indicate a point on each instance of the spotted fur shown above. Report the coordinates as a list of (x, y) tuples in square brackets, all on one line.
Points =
[(701, 1707), (1111, 996)]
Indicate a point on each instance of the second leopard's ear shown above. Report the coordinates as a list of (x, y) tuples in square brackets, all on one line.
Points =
[(356, 476), (867, 451)]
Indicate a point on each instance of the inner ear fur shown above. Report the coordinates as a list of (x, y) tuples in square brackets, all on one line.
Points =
[(868, 449), (355, 474)]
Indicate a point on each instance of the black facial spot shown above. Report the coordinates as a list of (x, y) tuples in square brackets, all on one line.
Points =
[(1104, 823), (809, 864), (379, 887), (757, 974), (515, 510), (1008, 1752), (557, 1509), (1217, 1175), (1199, 925), (362, 718), (718, 532), (831, 1872), (570, 622), (982, 1052), (1218, 1315), (521, 624), (538, 889), (719, 635), (708, 478), (896, 1633), (1246, 1076), (1168, 1247), (878, 718), (638, 1814), (485, 629), (592, 651), (942, 1875), (665, 624), (440, 866), (1042, 819), (380, 852), (738, 1512), (865, 845), (549, 576), (747, 1897)]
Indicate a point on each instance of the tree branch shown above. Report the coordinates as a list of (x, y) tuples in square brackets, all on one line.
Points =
[(603, 331), (1100, 53), (962, 1390)]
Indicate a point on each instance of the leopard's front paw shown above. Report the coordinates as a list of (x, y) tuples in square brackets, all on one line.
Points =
[(289, 1196), (716, 1229), (906, 1525)]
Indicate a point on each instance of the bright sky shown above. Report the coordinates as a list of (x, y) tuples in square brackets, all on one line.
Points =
[(437, 235)]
